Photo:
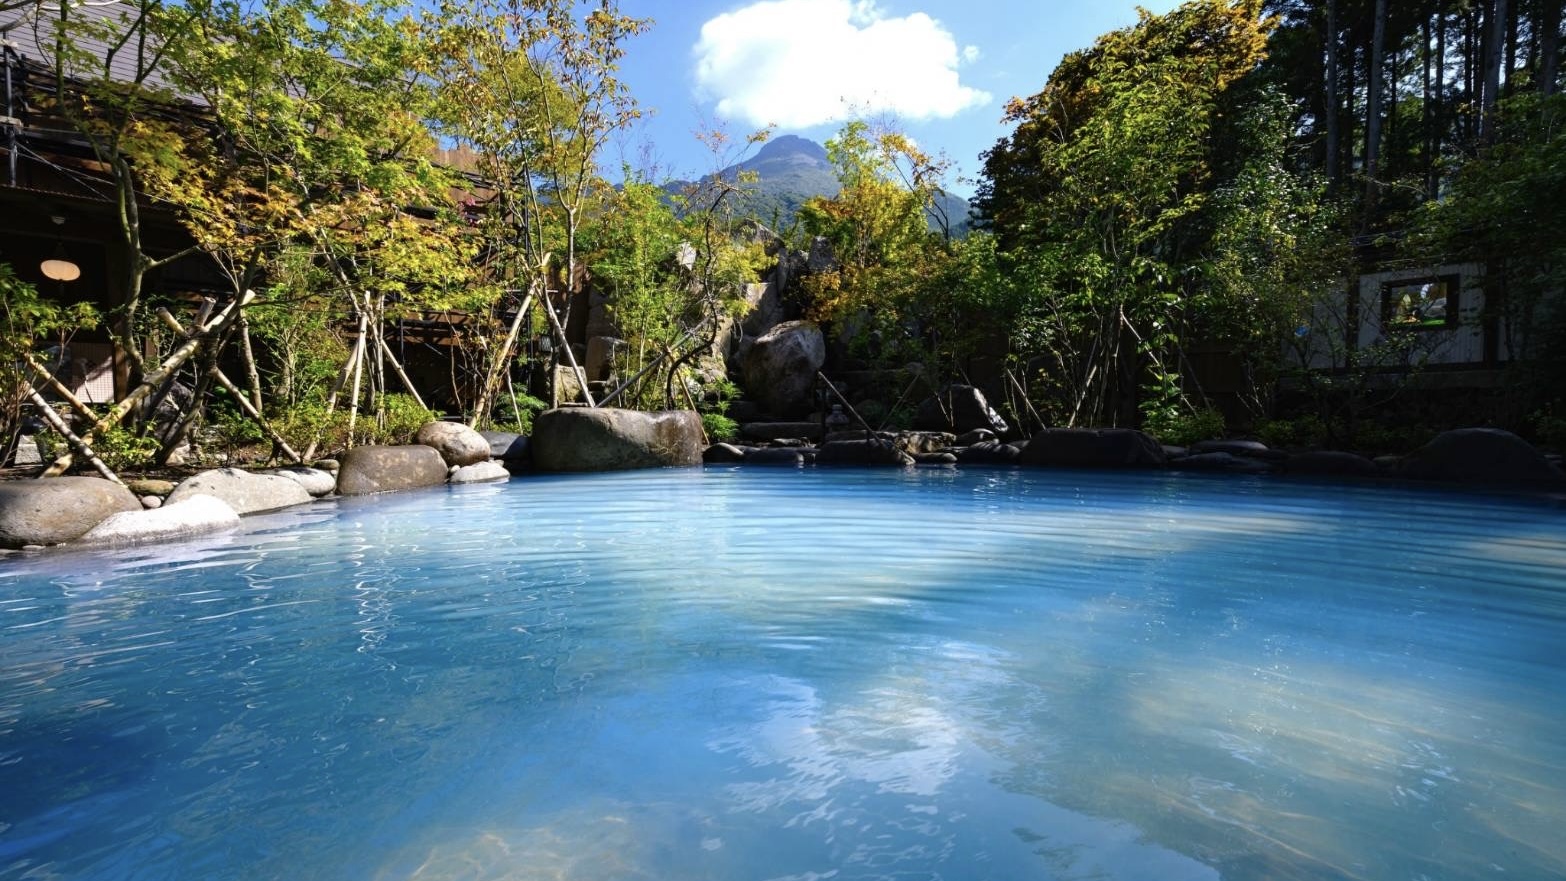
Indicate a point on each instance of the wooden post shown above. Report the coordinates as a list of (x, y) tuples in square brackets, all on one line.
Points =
[(253, 374), (59, 388), (342, 378)]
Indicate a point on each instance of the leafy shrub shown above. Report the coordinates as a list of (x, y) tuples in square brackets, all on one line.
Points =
[(1306, 431), (1183, 428), (719, 427), (516, 414), (1549, 426)]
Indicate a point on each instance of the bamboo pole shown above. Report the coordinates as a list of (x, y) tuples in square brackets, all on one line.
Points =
[(498, 368), (342, 379), (59, 387), (401, 374), (353, 402), (252, 373), (1024, 392), (565, 346), (152, 380), (244, 403), (55, 422)]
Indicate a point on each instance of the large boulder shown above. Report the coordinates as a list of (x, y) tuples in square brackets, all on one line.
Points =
[(457, 444), (245, 492), (1092, 448), (366, 470), (959, 409), (780, 367), (195, 514), (766, 308), (59, 509), (609, 439), (1480, 455)]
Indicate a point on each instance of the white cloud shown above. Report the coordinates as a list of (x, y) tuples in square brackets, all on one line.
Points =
[(799, 63)]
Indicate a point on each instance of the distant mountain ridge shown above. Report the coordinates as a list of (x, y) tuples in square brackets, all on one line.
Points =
[(790, 170)]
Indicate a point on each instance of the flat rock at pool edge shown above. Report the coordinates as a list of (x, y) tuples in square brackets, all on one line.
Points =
[(457, 444), (195, 514), (315, 481), (482, 472), (245, 492), (1330, 463), (989, 453), (861, 452), (1092, 448), (610, 439), (1480, 455), (778, 456), (723, 454), (376, 469), (58, 509)]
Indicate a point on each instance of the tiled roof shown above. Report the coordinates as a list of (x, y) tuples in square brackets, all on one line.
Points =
[(30, 31)]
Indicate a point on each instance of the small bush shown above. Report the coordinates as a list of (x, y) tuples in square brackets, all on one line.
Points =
[(719, 427), (1183, 428)]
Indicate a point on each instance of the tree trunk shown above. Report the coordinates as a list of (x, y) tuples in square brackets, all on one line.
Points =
[(1334, 121), (1375, 84), (1494, 50), (1549, 26)]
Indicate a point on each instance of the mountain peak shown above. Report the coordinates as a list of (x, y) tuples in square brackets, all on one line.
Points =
[(786, 146)]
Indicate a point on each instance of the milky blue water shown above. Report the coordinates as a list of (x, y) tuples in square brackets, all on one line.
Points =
[(729, 674)]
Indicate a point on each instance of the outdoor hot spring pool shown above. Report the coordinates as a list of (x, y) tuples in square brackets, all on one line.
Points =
[(753, 674)]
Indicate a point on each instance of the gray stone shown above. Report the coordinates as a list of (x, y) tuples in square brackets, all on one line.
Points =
[(457, 444), (1092, 448), (1233, 447), (195, 514), (326, 465), (150, 486), (771, 431), (745, 411), (1480, 455), (723, 454), (506, 446), (609, 439), (917, 443), (766, 309), (152, 501), (976, 436), (776, 456), (861, 452), (935, 459), (959, 408), (481, 472), (570, 385), (1330, 462), (601, 351), (58, 509), (989, 453), (27, 452), (375, 469), (317, 482), (780, 368), (1172, 452), (821, 258), (245, 492)]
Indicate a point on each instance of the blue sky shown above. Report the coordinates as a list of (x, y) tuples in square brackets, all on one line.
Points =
[(943, 68)]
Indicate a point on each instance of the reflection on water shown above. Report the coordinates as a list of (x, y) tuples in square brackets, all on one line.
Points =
[(730, 675)]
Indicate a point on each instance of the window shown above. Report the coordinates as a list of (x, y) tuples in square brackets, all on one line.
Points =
[(1420, 303)]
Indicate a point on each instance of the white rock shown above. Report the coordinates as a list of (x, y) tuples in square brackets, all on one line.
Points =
[(245, 492), (483, 472), (193, 515), (316, 482)]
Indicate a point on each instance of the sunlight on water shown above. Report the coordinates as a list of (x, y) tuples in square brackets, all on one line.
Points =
[(795, 677)]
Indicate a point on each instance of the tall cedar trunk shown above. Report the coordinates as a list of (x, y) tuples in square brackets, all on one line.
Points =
[(1510, 63), (1428, 107), (1495, 38), (1439, 128), (1374, 87), (1470, 72), (1349, 109), (1549, 26), (1334, 121)]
